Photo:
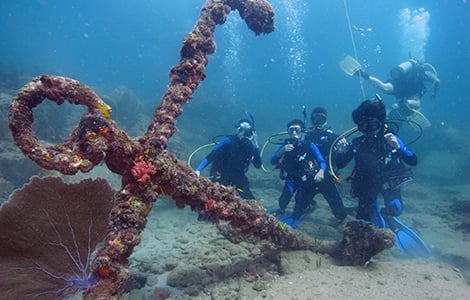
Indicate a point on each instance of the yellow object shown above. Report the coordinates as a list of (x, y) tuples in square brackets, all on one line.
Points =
[(105, 109), (197, 150), (265, 144), (332, 147)]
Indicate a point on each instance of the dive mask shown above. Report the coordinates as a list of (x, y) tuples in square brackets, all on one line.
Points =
[(370, 126), (318, 120), (245, 130), (295, 131)]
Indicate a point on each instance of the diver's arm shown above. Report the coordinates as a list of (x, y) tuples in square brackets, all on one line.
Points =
[(276, 157), (407, 155), (318, 156), (210, 157), (256, 158), (202, 165), (386, 87), (320, 175), (431, 77)]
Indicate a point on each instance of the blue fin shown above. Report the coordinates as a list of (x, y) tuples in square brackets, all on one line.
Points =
[(290, 221), (282, 218), (407, 240), (377, 219)]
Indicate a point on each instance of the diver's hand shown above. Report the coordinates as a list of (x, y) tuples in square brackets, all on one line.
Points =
[(342, 145), (392, 140), (362, 73), (287, 148), (198, 173), (319, 176)]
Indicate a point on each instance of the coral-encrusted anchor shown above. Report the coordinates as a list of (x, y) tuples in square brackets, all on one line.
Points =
[(142, 172), (161, 172)]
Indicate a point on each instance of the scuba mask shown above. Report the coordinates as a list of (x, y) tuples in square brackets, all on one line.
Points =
[(370, 126), (245, 130), (318, 120), (295, 131)]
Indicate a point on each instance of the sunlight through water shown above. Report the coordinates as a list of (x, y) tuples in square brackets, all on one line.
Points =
[(231, 57), (294, 12), (415, 32)]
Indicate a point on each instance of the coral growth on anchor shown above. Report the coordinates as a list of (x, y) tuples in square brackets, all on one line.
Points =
[(361, 241), (147, 168)]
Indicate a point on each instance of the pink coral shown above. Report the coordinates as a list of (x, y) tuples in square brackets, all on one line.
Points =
[(142, 172)]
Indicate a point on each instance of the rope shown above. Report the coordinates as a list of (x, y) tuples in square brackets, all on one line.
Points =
[(346, 11)]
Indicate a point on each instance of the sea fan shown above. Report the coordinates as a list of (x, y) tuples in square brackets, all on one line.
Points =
[(48, 232)]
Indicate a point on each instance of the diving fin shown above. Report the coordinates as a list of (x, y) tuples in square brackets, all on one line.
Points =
[(407, 240), (416, 117), (350, 66), (289, 220), (417, 120)]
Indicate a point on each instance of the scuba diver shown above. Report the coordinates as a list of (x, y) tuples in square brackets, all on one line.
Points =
[(408, 85), (231, 158), (380, 158), (322, 136), (302, 167)]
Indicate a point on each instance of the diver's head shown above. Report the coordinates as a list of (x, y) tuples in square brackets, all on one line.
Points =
[(244, 129), (318, 118), (295, 129), (370, 117)]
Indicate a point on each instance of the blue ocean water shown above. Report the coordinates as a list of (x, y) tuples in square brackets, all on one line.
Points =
[(113, 44), (108, 44)]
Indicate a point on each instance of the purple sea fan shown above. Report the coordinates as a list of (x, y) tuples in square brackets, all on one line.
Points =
[(48, 231)]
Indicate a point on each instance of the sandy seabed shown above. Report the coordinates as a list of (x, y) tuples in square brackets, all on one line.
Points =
[(183, 258)]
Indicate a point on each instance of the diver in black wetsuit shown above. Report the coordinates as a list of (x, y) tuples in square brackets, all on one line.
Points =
[(408, 83), (302, 167), (323, 137), (231, 158), (380, 158)]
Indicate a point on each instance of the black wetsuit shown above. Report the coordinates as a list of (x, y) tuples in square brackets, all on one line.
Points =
[(298, 169), (230, 160), (378, 169), (412, 85), (323, 138)]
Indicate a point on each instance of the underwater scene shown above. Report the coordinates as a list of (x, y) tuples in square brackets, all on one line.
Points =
[(145, 149)]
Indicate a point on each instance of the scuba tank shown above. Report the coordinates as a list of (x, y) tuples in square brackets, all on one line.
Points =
[(403, 69)]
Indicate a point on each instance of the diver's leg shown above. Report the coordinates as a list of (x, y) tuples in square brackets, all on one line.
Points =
[(330, 192)]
